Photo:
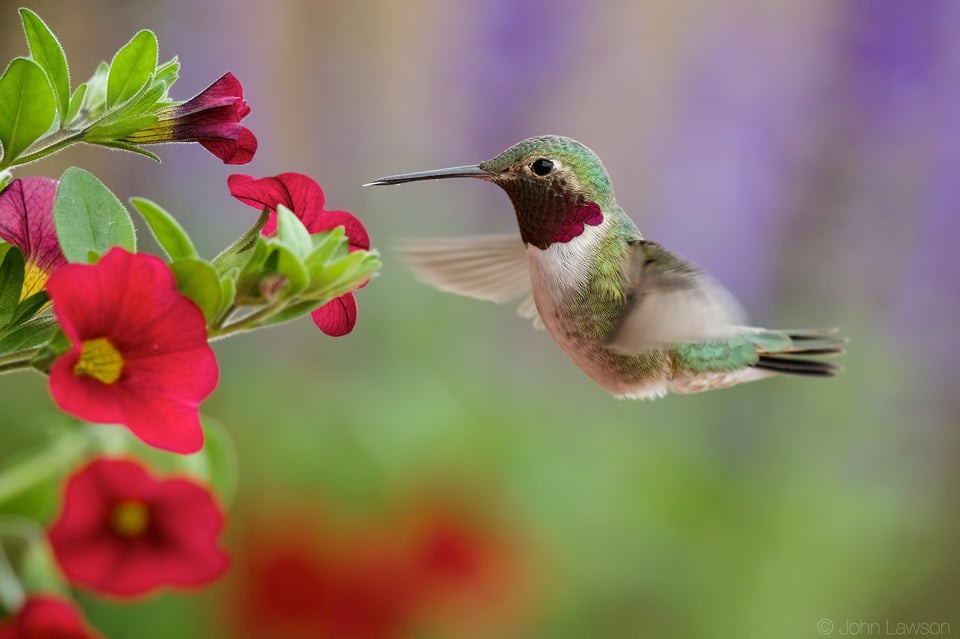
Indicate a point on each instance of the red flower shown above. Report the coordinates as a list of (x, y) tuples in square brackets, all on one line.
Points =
[(26, 221), (140, 355), (47, 617), (124, 532), (211, 118), (302, 579), (304, 197)]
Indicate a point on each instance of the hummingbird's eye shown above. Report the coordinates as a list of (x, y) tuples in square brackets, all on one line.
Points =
[(541, 166)]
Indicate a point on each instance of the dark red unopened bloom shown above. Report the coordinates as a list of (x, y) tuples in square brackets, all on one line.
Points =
[(305, 198), (47, 617), (124, 532), (140, 355), (211, 118), (26, 221)]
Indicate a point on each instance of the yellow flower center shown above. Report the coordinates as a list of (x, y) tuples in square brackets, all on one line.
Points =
[(99, 359), (130, 518), (34, 279)]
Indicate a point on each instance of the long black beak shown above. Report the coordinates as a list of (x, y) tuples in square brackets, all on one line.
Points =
[(472, 171)]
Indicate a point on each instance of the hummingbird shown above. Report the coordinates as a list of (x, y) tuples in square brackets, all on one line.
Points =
[(636, 317)]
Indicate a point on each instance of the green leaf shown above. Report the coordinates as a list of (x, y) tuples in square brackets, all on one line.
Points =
[(46, 50), (199, 281), (132, 68), (169, 234), (33, 333), (27, 107), (5, 178), (292, 233), (28, 308), (89, 218), (11, 284), (76, 101)]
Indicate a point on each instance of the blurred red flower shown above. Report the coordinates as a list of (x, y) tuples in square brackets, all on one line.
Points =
[(305, 198), (47, 617), (428, 568), (124, 532), (140, 355), (211, 118), (26, 221)]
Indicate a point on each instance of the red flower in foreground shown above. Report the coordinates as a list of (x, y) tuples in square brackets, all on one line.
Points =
[(124, 532), (140, 355), (211, 118), (304, 197), (26, 221), (47, 617)]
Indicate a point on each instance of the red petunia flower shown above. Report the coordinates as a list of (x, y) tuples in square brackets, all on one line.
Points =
[(305, 198), (140, 355), (47, 617), (211, 118), (26, 221), (124, 532)]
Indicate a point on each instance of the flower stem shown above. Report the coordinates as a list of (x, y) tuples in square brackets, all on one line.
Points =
[(11, 590), (62, 452), (18, 360), (246, 323), (50, 149)]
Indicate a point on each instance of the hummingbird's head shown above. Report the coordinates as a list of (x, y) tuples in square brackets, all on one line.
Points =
[(557, 186)]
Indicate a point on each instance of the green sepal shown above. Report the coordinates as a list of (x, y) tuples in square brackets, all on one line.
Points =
[(343, 275), (46, 50), (238, 255), (6, 176), (292, 233), (171, 237), (167, 73), (326, 246), (27, 107), (283, 261), (30, 334), (11, 284), (132, 148), (89, 218), (228, 292), (132, 68), (114, 128), (199, 281), (76, 101)]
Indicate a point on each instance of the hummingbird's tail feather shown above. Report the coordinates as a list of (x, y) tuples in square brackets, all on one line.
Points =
[(787, 351)]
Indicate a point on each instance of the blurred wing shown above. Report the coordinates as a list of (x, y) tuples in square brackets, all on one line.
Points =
[(669, 300), (487, 267)]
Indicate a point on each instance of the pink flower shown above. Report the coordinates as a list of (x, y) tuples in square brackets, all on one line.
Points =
[(26, 221), (305, 198), (211, 118), (139, 352), (124, 532), (47, 617)]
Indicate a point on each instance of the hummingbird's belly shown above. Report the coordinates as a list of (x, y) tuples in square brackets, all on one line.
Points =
[(580, 333)]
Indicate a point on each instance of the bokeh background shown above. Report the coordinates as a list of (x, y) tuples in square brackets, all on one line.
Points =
[(806, 153)]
